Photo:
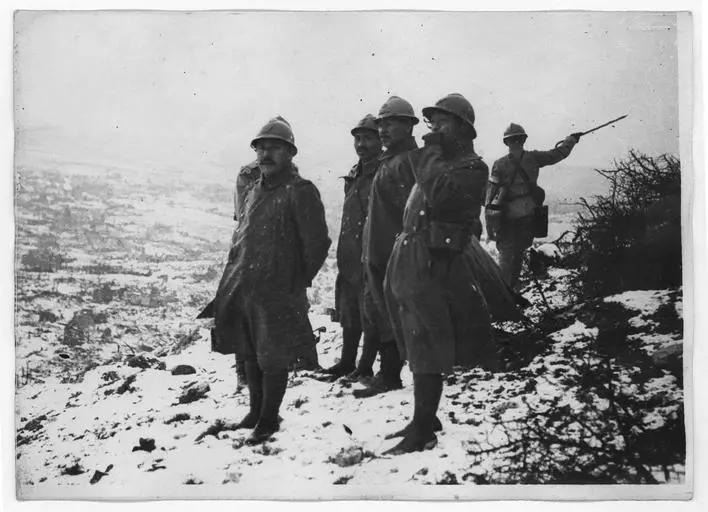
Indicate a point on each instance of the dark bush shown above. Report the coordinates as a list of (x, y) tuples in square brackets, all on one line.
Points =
[(631, 238), (44, 259)]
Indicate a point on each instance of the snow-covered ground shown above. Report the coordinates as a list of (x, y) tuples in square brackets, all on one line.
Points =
[(100, 414)]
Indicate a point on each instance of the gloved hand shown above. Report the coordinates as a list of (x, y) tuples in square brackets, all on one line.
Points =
[(573, 138), (433, 139)]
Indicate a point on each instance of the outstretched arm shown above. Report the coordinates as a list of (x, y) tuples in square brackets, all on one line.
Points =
[(555, 155)]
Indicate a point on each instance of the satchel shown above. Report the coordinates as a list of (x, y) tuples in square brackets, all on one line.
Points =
[(540, 212)]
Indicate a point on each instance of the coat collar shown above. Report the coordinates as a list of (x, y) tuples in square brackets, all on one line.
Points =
[(367, 168)]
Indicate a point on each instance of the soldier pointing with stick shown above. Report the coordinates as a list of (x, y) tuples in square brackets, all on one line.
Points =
[(514, 205)]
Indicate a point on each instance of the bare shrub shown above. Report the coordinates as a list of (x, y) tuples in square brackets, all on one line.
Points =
[(631, 238)]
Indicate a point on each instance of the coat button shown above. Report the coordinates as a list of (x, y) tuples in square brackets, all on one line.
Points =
[(422, 212), (447, 240)]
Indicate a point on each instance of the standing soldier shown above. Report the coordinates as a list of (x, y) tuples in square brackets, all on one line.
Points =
[(350, 279), (436, 306), (389, 191), (280, 244), (512, 183)]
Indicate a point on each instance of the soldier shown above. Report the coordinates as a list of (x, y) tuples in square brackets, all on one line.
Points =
[(350, 279), (280, 244), (436, 306), (389, 191), (511, 186)]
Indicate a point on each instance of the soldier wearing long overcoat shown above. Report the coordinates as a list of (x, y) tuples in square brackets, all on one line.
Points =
[(434, 299), (349, 287), (389, 191), (279, 246)]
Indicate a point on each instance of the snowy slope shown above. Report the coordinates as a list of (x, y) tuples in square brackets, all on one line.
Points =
[(83, 407)]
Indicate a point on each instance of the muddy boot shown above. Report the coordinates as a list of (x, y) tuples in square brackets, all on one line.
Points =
[(350, 344), (437, 427), (389, 378), (274, 385), (254, 378), (359, 376), (427, 388)]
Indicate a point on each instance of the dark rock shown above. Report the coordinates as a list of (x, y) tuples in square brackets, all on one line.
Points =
[(73, 470), (144, 362), (183, 369), (193, 393), (110, 375), (216, 428), (183, 416), (35, 424), (348, 456), (97, 475), (47, 316), (146, 444), (448, 479), (126, 386)]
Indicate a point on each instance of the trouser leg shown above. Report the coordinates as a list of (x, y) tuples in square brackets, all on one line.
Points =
[(368, 353), (350, 345), (241, 379), (389, 377)]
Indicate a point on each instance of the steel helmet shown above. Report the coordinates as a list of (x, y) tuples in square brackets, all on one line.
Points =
[(278, 129), (514, 130), (457, 105), (397, 107), (368, 123)]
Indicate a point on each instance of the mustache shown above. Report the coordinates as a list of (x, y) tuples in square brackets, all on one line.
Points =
[(271, 162)]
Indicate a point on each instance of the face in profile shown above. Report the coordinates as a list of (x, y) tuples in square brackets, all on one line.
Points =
[(367, 144), (273, 155), (393, 130)]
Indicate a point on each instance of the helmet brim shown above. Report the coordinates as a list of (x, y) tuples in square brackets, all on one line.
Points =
[(414, 119), (281, 139), (429, 111), (363, 129)]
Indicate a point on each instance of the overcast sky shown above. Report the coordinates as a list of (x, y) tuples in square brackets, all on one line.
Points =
[(190, 90)]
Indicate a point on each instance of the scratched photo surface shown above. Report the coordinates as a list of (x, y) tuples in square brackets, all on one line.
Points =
[(132, 132)]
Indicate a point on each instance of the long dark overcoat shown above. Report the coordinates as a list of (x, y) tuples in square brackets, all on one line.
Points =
[(435, 302), (389, 192), (279, 246)]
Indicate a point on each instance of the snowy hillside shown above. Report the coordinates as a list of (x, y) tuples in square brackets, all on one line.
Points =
[(118, 394)]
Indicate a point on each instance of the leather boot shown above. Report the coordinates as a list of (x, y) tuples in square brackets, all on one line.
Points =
[(350, 344), (427, 389), (389, 378), (274, 385), (254, 378), (437, 427)]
